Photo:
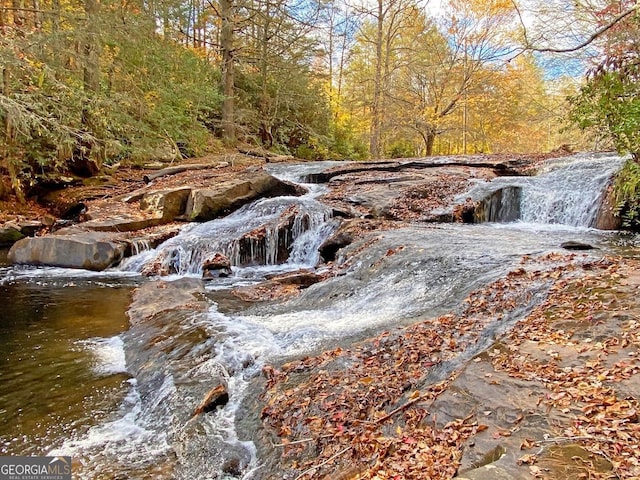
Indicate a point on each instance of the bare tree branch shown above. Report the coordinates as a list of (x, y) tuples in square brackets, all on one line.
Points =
[(598, 33)]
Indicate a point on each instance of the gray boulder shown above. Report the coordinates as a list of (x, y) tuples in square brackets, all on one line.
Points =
[(166, 204), (608, 218), (90, 251), (117, 223), (212, 202)]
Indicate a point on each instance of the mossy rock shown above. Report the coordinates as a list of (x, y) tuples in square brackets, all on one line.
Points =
[(9, 236)]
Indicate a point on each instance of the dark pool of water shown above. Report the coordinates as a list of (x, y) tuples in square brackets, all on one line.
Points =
[(59, 369)]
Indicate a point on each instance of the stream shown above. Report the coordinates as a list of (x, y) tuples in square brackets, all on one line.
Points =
[(77, 379)]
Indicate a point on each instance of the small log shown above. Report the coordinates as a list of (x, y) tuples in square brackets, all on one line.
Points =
[(269, 157), (280, 158), (256, 153), (174, 170)]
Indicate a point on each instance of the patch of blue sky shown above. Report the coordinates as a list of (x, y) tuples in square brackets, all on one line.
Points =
[(557, 66)]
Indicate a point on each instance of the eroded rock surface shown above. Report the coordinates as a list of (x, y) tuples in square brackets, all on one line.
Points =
[(554, 397), (211, 202)]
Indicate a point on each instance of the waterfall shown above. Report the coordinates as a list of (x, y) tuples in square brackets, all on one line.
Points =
[(569, 191), (268, 232), (501, 206)]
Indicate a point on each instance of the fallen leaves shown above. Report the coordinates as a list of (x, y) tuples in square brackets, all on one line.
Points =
[(586, 385), (354, 395), (363, 412)]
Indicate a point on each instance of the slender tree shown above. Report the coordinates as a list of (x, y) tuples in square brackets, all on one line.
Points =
[(227, 14)]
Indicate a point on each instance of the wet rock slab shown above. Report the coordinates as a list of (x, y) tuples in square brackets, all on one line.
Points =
[(171, 353), (554, 397), (558, 399), (158, 297), (280, 286), (419, 194)]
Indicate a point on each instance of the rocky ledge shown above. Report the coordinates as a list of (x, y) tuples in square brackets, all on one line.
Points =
[(113, 228), (112, 224)]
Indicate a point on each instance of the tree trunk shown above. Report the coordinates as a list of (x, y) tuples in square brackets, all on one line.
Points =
[(91, 49), (88, 161), (343, 60), (429, 140), (18, 13), (9, 143), (37, 15), (55, 16), (266, 102), (166, 26), (374, 141), (3, 21), (228, 72)]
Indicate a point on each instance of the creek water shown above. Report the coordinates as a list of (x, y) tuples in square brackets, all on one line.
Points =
[(77, 379)]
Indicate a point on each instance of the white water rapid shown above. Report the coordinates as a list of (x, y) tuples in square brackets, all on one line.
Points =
[(567, 192)]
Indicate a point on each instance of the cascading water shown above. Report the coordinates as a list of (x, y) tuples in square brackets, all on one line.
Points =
[(172, 359), (568, 192), (171, 376), (267, 232), (264, 232)]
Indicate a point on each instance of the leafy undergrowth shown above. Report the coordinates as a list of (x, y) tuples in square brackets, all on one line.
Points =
[(363, 412)]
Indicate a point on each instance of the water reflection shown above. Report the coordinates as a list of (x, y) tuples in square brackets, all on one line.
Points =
[(57, 343)]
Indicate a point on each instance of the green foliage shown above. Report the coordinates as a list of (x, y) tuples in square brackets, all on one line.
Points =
[(153, 95), (401, 148), (346, 144), (627, 195), (610, 103), (161, 94)]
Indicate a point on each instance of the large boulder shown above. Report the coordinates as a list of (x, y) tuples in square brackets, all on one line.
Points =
[(607, 218), (89, 250), (212, 202)]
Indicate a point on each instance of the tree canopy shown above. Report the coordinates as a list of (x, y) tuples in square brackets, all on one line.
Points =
[(87, 82)]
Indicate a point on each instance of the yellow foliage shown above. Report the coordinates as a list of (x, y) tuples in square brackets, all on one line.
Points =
[(483, 8)]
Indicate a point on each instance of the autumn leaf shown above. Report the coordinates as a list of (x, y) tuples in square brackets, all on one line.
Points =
[(527, 444), (528, 459)]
